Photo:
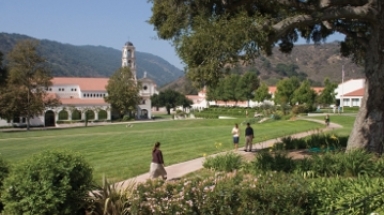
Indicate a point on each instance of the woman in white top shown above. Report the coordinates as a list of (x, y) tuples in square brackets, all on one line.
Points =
[(236, 136)]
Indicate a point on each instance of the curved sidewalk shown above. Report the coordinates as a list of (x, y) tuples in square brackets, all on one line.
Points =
[(178, 170)]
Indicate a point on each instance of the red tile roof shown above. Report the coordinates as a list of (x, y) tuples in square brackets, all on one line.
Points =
[(359, 92), (85, 84)]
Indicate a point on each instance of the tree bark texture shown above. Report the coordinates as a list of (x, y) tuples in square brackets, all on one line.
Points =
[(368, 129)]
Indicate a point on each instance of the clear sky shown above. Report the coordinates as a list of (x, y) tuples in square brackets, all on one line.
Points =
[(108, 23)]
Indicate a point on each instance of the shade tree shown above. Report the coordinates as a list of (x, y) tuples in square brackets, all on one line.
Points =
[(210, 34)]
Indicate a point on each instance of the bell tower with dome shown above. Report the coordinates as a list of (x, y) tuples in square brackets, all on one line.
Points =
[(128, 59)]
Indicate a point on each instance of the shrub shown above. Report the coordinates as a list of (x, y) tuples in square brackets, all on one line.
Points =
[(297, 109), (278, 161), (227, 162), (274, 193), (362, 195), (48, 183), (4, 171)]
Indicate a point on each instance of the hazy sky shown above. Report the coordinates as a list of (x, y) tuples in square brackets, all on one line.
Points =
[(108, 23)]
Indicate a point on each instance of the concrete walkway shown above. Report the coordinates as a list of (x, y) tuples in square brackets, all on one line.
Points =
[(176, 171)]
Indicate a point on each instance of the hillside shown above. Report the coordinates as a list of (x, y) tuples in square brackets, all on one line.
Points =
[(312, 62), (94, 61)]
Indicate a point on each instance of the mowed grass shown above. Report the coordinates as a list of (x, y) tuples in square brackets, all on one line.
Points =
[(122, 152), (346, 121)]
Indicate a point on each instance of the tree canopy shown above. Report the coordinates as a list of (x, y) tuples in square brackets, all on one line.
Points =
[(212, 34), (26, 83), (123, 91), (262, 93), (328, 95), (170, 99)]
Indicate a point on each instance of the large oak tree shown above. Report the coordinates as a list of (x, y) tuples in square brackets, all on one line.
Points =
[(210, 34)]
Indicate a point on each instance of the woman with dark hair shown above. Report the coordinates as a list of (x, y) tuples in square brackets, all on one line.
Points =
[(157, 165)]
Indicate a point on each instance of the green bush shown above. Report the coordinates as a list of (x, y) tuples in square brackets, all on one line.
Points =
[(4, 171), (47, 183), (278, 161), (346, 196), (297, 109), (227, 162), (274, 193)]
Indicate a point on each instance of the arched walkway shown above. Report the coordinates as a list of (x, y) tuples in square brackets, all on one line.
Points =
[(103, 115), (63, 115), (90, 115), (76, 115), (49, 118), (144, 114)]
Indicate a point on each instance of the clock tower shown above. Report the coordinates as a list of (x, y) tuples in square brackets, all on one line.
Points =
[(128, 59)]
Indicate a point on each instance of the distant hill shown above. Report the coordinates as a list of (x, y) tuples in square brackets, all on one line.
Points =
[(312, 62), (94, 61)]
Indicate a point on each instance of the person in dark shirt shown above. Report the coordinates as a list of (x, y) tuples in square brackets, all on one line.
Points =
[(248, 138), (157, 165)]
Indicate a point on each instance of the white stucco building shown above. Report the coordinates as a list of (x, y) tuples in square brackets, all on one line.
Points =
[(350, 93), (81, 96)]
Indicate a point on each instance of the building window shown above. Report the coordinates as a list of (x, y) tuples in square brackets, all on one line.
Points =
[(59, 89), (50, 89), (75, 89), (143, 102), (85, 95), (62, 89), (355, 102), (145, 87)]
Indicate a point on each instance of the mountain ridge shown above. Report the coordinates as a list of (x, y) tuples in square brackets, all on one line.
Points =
[(69, 60)]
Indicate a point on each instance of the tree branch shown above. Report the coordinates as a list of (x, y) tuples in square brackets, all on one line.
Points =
[(364, 13)]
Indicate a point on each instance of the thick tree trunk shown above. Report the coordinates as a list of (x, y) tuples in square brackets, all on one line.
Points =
[(368, 130)]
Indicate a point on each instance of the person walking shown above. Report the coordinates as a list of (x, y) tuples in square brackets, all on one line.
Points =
[(248, 137), (327, 120), (157, 165), (236, 136)]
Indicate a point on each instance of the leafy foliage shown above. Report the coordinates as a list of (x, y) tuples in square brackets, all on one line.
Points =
[(262, 93), (285, 91), (170, 99), (328, 95), (227, 162), (123, 91), (26, 84), (47, 183), (304, 95)]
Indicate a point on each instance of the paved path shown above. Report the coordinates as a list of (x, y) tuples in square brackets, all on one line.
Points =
[(176, 171)]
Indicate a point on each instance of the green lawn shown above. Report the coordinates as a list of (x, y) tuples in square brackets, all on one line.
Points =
[(344, 120), (122, 152)]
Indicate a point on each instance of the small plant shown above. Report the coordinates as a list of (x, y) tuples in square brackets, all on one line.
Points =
[(227, 162), (110, 198), (278, 161)]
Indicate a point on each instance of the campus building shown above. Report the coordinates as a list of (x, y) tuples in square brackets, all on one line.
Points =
[(200, 102), (81, 97), (350, 93)]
